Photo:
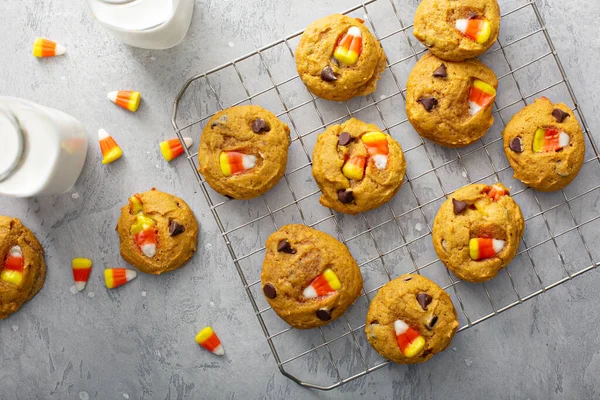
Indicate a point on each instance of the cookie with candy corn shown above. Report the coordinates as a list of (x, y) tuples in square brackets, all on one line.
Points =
[(208, 339), (158, 232), (243, 151), (47, 48), (457, 30), (308, 277), (411, 319), (173, 148), (545, 145), (82, 267), (357, 167), (450, 103), (127, 99), (109, 147), (338, 58), (115, 277), (477, 231), (22, 266)]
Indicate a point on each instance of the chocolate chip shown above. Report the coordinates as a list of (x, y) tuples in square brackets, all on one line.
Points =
[(428, 102), (559, 114), (472, 15), (285, 247), (424, 300), (459, 206), (516, 145), (229, 197), (345, 196), (407, 279), (432, 322), (222, 120), (269, 291), (175, 228), (323, 315), (345, 139), (328, 75), (260, 126), (440, 72)]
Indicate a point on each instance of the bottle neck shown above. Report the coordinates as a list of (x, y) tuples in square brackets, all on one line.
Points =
[(12, 138)]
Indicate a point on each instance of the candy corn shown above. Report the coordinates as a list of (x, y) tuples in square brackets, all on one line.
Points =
[(144, 234), (14, 266), (410, 341), (127, 99), (354, 168), (480, 96), (47, 48), (478, 30), (549, 139), (495, 192), (482, 248), (81, 272), (115, 277), (233, 162), (349, 47), (377, 146), (208, 339), (110, 149), (135, 204), (323, 285), (173, 148)]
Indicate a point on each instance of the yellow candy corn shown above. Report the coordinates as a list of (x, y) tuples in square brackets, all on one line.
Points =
[(47, 48), (172, 148), (127, 99), (115, 277), (110, 149), (208, 339)]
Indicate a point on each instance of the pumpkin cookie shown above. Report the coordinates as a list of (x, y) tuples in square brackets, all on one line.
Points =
[(476, 232), (450, 103), (339, 58), (456, 30), (158, 232), (357, 167), (308, 277), (22, 266), (243, 151), (411, 319), (545, 146)]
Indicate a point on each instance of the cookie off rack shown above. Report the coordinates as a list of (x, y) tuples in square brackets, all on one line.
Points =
[(561, 227)]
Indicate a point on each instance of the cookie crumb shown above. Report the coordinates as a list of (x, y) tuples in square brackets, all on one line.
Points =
[(468, 362), (91, 295), (84, 396), (418, 227), (75, 195), (143, 293), (73, 290), (15, 328), (231, 44)]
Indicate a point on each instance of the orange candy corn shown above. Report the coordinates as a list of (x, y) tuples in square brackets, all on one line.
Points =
[(173, 148), (377, 146), (144, 234), (115, 277), (482, 248), (208, 339), (480, 96), (233, 162), (354, 168), (110, 149), (14, 265), (349, 47), (495, 192), (47, 48), (81, 272), (549, 139), (478, 30), (323, 285), (127, 99), (410, 341)]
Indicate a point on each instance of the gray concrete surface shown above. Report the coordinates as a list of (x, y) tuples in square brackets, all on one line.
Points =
[(137, 342)]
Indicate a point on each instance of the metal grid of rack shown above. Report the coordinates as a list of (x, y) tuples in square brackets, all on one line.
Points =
[(396, 238)]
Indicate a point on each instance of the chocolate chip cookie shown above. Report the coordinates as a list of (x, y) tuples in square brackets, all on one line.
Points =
[(308, 277), (158, 232), (545, 146), (456, 30), (22, 266), (339, 58), (243, 151), (357, 167), (411, 319), (450, 103), (476, 232)]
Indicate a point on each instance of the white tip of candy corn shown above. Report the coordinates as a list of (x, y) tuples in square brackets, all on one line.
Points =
[(462, 25), (310, 292), (112, 96), (380, 161), (400, 327), (102, 134), (149, 250), (219, 350), (80, 286), (249, 161), (563, 140), (130, 275), (60, 49), (498, 245), (354, 31), (474, 108), (188, 141)]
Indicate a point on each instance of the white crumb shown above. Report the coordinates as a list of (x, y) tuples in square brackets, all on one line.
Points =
[(91, 295), (64, 78), (125, 395), (208, 246), (75, 195), (454, 349), (418, 227), (382, 96), (143, 293), (211, 304), (84, 396), (468, 362), (464, 174), (73, 290), (152, 58), (15, 328), (231, 44)]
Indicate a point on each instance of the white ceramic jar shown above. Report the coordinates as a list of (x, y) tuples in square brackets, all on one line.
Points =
[(42, 150)]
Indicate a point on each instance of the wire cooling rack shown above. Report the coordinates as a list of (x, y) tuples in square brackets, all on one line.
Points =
[(395, 238)]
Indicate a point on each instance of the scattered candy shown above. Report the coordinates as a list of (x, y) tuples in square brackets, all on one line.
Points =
[(115, 277), (478, 30), (323, 285), (482, 248), (495, 192), (14, 265), (549, 139), (345, 139), (559, 114), (144, 234), (285, 247), (377, 146), (81, 272), (172, 148), (208, 339), (349, 47), (410, 341), (428, 103), (47, 48), (328, 75), (440, 72), (233, 163), (354, 168), (110, 149), (516, 145), (127, 99), (480, 96), (345, 196)]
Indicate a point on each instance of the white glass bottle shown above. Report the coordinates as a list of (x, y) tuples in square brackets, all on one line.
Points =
[(42, 150)]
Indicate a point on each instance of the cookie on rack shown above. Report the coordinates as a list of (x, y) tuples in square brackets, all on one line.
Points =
[(158, 232), (410, 320), (357, 167), (338, 58), (476, 232), (457, 30), (308, 277), (545, 146), (450, 103), (243, 151), (22, 266)]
